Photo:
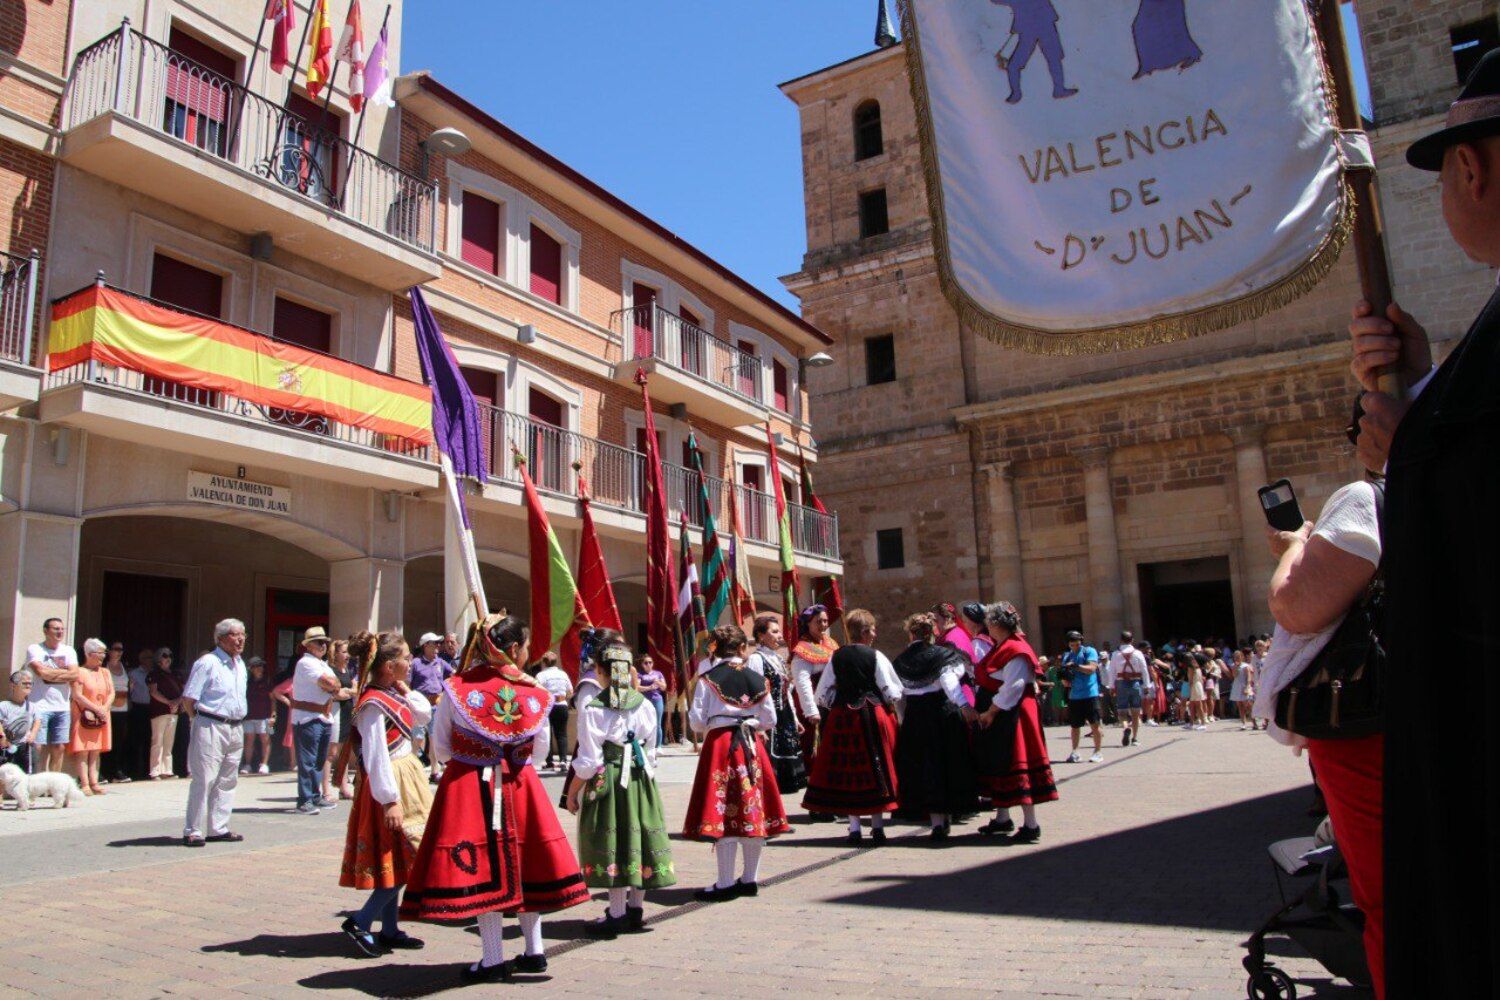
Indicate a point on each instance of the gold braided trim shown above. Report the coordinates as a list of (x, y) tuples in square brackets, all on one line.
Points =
[(1107, 339)]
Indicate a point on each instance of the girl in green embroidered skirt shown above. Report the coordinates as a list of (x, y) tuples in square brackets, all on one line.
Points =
[(622, 835)]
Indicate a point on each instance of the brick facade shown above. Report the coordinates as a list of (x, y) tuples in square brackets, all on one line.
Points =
[(1064, 481)]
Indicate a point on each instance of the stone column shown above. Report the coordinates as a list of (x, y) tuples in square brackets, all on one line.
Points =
[(1007, 582), (365, 594), (1106, 591), (38, 578), (1256, 564)]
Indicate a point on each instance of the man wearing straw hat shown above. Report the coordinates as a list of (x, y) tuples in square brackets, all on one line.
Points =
[(314, 688), (1441, 538)]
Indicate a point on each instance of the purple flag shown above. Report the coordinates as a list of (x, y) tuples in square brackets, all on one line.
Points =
[(378, 71), (455, 418)]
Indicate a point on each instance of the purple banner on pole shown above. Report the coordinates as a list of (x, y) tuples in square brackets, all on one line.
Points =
[(455, 418)]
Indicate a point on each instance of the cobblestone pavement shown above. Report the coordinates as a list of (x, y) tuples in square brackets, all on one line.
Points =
[(1151, 871)]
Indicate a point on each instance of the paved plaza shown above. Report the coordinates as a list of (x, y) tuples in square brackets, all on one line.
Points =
[(1151, 871)]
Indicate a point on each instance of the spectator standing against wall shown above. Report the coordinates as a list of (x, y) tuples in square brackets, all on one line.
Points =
[(54, 665), (315, 688), (215, 698), (18, 723), (93, 697)]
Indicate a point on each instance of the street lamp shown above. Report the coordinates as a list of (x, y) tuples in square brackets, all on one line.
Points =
[(444, 142)]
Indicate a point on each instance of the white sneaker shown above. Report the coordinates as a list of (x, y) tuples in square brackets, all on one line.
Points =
[(1151, 723), (1096, 759), (244, 770), (1073, 758), (263, 769), (1200, 728)]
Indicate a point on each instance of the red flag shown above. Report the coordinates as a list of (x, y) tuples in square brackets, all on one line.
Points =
[(352, 51), (284, 13), (661, 583), (555, 604), (789, 582), (741, 588), (594, 589), (835, 601)]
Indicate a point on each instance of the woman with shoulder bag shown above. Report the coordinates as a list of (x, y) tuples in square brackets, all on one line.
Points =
[(1314, 682)]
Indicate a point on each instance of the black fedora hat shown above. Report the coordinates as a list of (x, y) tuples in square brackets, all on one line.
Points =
[(1475, 115)]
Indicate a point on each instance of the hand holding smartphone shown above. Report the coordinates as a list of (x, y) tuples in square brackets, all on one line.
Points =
[(1279, 501)]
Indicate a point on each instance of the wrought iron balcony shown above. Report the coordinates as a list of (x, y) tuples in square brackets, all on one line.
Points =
[(18, 292), (617, 478), (650, 332), (131, 76)]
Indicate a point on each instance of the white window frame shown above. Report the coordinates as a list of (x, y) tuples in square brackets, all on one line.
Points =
[(526, 377), (670, 296), (572, 245), (462, 179)]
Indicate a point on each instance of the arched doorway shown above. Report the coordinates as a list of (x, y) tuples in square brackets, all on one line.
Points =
[(424, 594)]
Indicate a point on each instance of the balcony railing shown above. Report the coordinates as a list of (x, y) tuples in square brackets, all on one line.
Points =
[(617, 478), (649, 331), (129, 74), (18, 292)]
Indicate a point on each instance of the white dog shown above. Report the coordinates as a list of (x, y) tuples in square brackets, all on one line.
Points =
[(23, 787)]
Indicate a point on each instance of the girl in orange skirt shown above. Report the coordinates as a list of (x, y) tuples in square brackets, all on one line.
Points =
[(390, 807)]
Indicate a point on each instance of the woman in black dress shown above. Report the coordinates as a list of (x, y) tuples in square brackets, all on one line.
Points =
[(784, 742)]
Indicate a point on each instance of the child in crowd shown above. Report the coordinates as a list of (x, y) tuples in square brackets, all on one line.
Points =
[(258, 712)]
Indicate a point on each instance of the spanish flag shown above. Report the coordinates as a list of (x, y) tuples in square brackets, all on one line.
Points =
[(108, 326), (320, 53)]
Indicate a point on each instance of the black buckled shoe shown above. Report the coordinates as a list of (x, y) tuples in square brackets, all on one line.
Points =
[(400, 941), (877, 835), (997, 827), (530, 965), (480, 973), (1025, 835), (855, 838), (713, 894), (606, 929), (363, 940), (743, 888), (635, 918)]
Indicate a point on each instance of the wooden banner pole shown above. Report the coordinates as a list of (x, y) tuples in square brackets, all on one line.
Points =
[(1369, 231)]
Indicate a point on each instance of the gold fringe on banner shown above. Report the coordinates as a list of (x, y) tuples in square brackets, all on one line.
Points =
[(1121, 337)]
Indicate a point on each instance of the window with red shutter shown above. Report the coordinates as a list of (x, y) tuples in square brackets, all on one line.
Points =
[(481, 233), (547, 450), (309, 160), (304, 326), (745, 377), (485, 386), (196, 290), (690, 333), (643, 316), (546, 265), (199, 91), (753, 513), (779, 386)]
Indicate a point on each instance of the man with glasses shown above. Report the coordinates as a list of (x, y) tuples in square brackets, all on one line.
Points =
[(54, 665), (215, 698)]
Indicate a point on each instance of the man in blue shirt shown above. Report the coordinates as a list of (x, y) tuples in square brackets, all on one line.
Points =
[(1081, 666), (215, 698)]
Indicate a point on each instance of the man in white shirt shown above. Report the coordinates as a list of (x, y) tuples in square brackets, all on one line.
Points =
[(215, 698), (555, 680), (1132, 680), (54, 665), (315, 687)]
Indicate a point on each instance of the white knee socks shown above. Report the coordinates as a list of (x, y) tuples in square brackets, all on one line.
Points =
[(617, 903), (531, 930), (724, 851), (937, 819), (1028, 815), (753, 847), (492, 938), (877, 821), (637, 899), (853, 824)]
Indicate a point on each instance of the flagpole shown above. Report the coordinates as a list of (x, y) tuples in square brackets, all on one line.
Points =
[(1369, 230), (465, 537), (364, 109), (239, 111), (291, 83)]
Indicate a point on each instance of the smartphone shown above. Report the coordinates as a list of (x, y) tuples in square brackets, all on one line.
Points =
[(1280, 504)]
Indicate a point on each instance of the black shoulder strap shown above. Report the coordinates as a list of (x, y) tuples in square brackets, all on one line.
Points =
[(1379, 487)]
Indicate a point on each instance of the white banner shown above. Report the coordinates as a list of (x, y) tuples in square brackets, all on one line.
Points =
[(227, 491), (1108, 173)]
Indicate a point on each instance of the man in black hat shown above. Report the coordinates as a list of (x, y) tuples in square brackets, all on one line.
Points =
[(1441, 540)]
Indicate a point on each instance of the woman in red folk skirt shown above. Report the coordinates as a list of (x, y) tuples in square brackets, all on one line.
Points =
[(1010, 751), (493, 843), (854, 772), (735, 802)]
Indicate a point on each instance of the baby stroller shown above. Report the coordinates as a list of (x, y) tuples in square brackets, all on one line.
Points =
[(1319, 918)]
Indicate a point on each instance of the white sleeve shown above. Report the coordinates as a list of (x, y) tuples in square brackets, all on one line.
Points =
[(588, 757), (952, 681), (1013, 681), (885, 676), (542, 741), (1145, 669), (1348, 522), (442, 731), (646, 722), (765, 715), (698, 713), (196, 679), (824, 696), (421, 708), (802, 679), (375, 757)]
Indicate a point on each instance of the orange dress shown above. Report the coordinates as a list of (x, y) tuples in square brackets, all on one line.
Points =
[(98, 688)]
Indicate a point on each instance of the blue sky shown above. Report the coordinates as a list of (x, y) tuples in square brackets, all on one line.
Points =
[(670, 104)]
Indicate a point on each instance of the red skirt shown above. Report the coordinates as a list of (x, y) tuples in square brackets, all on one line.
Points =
[(463, 867), (735, 792), (1161, 700), (1024, 775), (854, 773), (550, 876)]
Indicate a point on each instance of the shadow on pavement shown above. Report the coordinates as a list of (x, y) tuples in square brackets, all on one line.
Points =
[(328, 944), (160, 840), (388, 980), (1111, 877)]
